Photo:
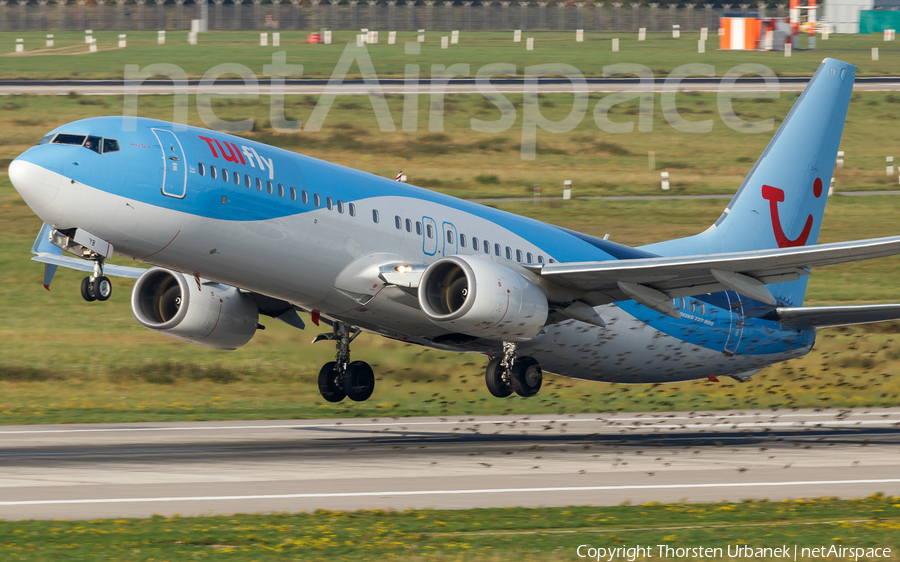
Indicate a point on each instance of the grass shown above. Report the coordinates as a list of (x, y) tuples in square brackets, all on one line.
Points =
[(495, 535), (64, 360), (69, 59)]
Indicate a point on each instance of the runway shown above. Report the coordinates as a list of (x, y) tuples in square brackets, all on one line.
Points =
[(423, 87), (193, 468)]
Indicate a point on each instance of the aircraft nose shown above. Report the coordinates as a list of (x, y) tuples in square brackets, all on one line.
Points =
[(37, 185)]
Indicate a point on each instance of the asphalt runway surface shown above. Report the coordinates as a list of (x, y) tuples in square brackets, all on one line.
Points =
[(424, 87), (195, 468)]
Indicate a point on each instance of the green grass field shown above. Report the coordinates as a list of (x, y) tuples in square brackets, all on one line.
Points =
[(70, 59), (64, 360), (490, 535)]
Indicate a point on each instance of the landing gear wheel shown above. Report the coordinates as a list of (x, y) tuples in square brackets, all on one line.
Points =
[(330, 386), (359, 381), (102, 288), (87, 290), (526, 376), (497, 383)]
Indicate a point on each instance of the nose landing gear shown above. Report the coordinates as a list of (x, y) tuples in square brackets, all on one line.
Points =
[(342, 378), (506, 374)]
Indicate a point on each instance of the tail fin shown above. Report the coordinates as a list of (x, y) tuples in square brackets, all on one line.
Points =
[(782, 200)]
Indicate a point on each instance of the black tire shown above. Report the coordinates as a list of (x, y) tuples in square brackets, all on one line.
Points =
[(87, 290), (527, 376), (102, 288), (493, 377), (359, 381), (328, 383)]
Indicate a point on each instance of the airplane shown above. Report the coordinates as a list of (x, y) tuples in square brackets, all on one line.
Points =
[(237, 229)]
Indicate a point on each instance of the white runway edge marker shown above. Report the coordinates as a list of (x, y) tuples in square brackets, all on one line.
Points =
[(557, 489)]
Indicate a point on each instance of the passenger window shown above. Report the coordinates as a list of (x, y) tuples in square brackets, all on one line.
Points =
[(237, 179), (408, 225), (519, 256), (270, 187), (258, 184), (93, 143), (225, 175), (340, 206), (316, 200), (487, 247), (462, 240), (497, 250), (375, 216), (352, 208), (508, 253), (530, 258), (449, 237), (702, 308), (281, 190), (69, 139), (474, 243), (110, 145), (418, 228), (213, 172), (397, 222), (329, 203), (429, 230), (540, 258), (202, 168), (305, 196), (247, 181), (293, 194), (552, 260)]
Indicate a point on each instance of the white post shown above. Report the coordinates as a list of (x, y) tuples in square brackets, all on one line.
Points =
[(701, 46), (263, 39), (664, 176), (831, 187), (374, 36), (276, 39), (676, 31), (87, 36), (50, 41), (875, 53), (615, 45), (529, 44), (567, 190), (890, 166), (20, 45), (787, 47), (704, 34), (517, 36), (444, 43), (160, 37), (579, 36), (825, 34), (195, 26), (642, 34), (370, 38), (840, 159), (92, 48), (887, 34), (122, 40), (392, 37), (327, 37), (192, 38), (454, 37), (360, 39), (421, 36)]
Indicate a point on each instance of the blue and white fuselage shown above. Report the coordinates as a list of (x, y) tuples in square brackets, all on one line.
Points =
[(321, 237)]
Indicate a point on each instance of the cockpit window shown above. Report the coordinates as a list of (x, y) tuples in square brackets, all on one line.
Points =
[(110, 145), (63, 138), (93, 143), (47, 139)]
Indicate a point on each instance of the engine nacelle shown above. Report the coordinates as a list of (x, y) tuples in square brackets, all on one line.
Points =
[(478, 297), (212, 315)]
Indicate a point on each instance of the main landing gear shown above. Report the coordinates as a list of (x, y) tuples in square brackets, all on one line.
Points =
[(342, 378), (97, 286), (506, 373)]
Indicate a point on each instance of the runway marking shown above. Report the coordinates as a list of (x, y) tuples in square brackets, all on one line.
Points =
[(114, 452), (451, 492), (718, 424)]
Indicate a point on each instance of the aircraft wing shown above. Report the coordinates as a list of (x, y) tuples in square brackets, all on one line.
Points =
[(824, 316), (655, 280)]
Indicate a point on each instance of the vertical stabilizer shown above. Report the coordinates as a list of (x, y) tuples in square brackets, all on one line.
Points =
[(782, 200)]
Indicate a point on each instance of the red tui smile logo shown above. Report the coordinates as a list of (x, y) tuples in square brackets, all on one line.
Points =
[(776, 196)]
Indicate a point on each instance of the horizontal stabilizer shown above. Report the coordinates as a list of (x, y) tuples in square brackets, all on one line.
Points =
[(824, 316)]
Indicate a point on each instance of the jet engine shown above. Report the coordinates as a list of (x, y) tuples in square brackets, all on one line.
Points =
[(209, 314), (478, 297)]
